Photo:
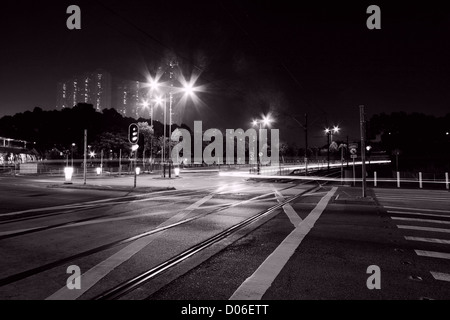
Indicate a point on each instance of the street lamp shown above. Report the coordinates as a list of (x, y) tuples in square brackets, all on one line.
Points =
[(329, 132), (188, 90), (73, 146), (265, 121)]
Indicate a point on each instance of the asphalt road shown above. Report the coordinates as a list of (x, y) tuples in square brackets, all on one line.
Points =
[(105, 233), (318, 246)]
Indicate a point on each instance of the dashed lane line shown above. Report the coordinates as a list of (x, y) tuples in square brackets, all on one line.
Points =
[(441, 276), (419, 214), (432, 254), (429, 240), (421, 220), (424, 229), (417, 209)]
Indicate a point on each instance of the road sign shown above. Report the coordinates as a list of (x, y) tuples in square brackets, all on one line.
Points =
[(133, 133), (353, 148), (354, 156)]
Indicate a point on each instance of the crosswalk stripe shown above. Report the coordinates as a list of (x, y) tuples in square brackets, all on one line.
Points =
[(432, 254), (417, 209), (421, 220), (419, 214), (429, 240), (415, 199), (424, 229), (412, 199), (441, 276)]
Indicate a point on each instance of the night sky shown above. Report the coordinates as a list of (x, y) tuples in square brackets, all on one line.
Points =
[(255, 56)]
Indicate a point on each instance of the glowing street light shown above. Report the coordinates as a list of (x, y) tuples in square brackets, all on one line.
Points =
[(154, 84), (266, 121), (329, 132), (189, 89)]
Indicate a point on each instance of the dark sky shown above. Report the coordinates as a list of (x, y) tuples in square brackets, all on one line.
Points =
[(255, 55)]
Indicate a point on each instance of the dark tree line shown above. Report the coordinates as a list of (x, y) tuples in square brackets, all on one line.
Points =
[(55, 131)]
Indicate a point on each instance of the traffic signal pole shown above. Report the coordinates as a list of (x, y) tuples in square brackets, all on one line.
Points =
[(85, 157), (363, 149)]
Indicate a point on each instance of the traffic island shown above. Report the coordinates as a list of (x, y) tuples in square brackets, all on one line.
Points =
[(349, 195)]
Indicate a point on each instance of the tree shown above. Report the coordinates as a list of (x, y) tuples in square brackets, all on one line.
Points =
[(112, 141), (147, 131)]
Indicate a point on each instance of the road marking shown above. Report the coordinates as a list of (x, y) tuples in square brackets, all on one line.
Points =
[(424, 229), (83, 204), (419, 214), (441, 276), (290, 212), (392, 199), (417, 209), (429, 240), (432, 254), (7, 233), (421, 220), (256, 285), (98, 272)]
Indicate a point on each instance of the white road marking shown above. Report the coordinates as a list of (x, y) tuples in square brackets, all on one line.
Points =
[(421, 220), (417, 209), (429, 240), (98, 272), (441, 276), (424, 229), (290, 212), (7, 233), (419, 214), (432, 254), (82, 204), (393, 199), (255, 286)]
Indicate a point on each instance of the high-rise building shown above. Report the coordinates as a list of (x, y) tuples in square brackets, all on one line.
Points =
[(128, 97), (93, 88)]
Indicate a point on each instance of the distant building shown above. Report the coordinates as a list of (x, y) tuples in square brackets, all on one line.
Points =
[(93, 88), (127, 97), (103, 91)]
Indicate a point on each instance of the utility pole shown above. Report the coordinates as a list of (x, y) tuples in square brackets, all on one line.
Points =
[(363, 148), (85, 156), (306, 144), (347, 153), (328, 149), (120, 162)]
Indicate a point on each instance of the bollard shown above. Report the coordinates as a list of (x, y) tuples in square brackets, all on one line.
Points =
[(446, 180), (375, 179), (420, 180), (398, 179), (170, 170)]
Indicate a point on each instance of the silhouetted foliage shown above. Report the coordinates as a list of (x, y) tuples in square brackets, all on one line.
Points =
[(57, 130)]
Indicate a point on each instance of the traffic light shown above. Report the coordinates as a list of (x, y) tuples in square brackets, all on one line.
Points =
[(133, 133)]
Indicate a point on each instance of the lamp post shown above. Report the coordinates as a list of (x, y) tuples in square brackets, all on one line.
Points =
[(188, 90), (329, 132), (73, 146), (265, 121)]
